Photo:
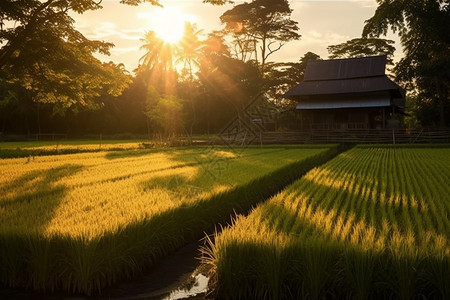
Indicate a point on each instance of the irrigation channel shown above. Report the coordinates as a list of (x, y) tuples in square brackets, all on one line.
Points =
[(179, 276)]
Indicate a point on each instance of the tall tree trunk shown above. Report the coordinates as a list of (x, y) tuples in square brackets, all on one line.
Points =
[(38, 115), (4, 124), (148, 128), (27, 126)]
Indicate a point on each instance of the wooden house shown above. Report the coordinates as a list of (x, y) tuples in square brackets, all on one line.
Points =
[(344, 94)]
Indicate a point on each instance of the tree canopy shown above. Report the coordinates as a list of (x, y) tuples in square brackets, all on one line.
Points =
[(424, 30), (283, 76), (266, 23), (360, 47), (45, 58), (48, 69)]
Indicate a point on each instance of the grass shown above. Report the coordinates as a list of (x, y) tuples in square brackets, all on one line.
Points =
[(81, 222), (371, 223)]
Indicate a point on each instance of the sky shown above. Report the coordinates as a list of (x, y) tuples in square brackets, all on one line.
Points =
[(322, 23)]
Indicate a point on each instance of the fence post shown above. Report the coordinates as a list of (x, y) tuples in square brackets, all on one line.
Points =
[(260, 138), (393, 135)]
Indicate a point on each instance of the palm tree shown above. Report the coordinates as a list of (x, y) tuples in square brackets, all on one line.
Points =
[(188, 52), (189, 49), (158, 53), (156, 65)]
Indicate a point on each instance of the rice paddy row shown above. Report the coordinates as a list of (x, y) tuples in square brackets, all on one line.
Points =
[(33, 149), (81, 222), (371, 223)]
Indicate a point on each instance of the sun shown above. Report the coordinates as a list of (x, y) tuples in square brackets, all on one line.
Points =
[(168, 23)]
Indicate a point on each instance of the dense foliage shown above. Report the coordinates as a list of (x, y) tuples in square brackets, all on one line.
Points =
[(361, 47), (50, 82), (45, 63), (424, 30), (261, 27)]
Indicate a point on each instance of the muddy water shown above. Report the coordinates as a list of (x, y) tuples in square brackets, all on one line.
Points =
[(177, 277), (195, 289)]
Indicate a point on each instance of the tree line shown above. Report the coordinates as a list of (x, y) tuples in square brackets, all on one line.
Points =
[(50, 81)]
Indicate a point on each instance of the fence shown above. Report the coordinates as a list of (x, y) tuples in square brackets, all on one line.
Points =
[(367, 136)]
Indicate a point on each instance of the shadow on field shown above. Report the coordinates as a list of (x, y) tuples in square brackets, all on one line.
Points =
[(208, 177), (89, 265), (313, 261), (31, 199)]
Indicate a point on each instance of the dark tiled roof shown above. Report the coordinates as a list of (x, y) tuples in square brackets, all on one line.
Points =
[(345, 86), (345, 101), (336, 69), (345, 76)]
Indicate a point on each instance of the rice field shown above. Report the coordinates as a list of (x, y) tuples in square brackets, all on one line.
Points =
[(32, 149), (373, 223), (80, 222)]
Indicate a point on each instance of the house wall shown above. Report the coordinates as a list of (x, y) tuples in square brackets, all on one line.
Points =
[(342, 119)]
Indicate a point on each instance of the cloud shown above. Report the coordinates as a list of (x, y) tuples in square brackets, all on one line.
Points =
[(322, 23), (326, 38), (311, 41), (124, 50), (103, 30)]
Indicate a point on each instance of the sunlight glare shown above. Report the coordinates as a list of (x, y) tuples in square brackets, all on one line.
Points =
[(168, 22)]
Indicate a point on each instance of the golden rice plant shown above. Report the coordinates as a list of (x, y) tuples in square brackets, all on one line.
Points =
[(81, 222), (371, 223)]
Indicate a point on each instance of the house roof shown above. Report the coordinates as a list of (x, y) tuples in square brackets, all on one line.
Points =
[(345, 86), (345, 76), (345, 101), (336, 69)]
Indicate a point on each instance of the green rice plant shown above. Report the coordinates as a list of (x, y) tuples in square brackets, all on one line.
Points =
[(438, 276), (371, 223), (31, 150), (359, 267), (318, 262)]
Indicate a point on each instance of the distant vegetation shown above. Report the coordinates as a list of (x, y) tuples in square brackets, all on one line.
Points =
[(373, 223), (51, 82)]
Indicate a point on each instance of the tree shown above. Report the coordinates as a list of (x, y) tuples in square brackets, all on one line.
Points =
[(424, 30), (266, 23), (157, 68), (215, 45), (283, 76), (188, 52), (189, 49), (228, 83), (32, 16), (45, 59), (360, 47), (158, 54), (164, 112)]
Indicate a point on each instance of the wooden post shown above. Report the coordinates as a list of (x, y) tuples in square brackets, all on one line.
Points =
[(260, 138)]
